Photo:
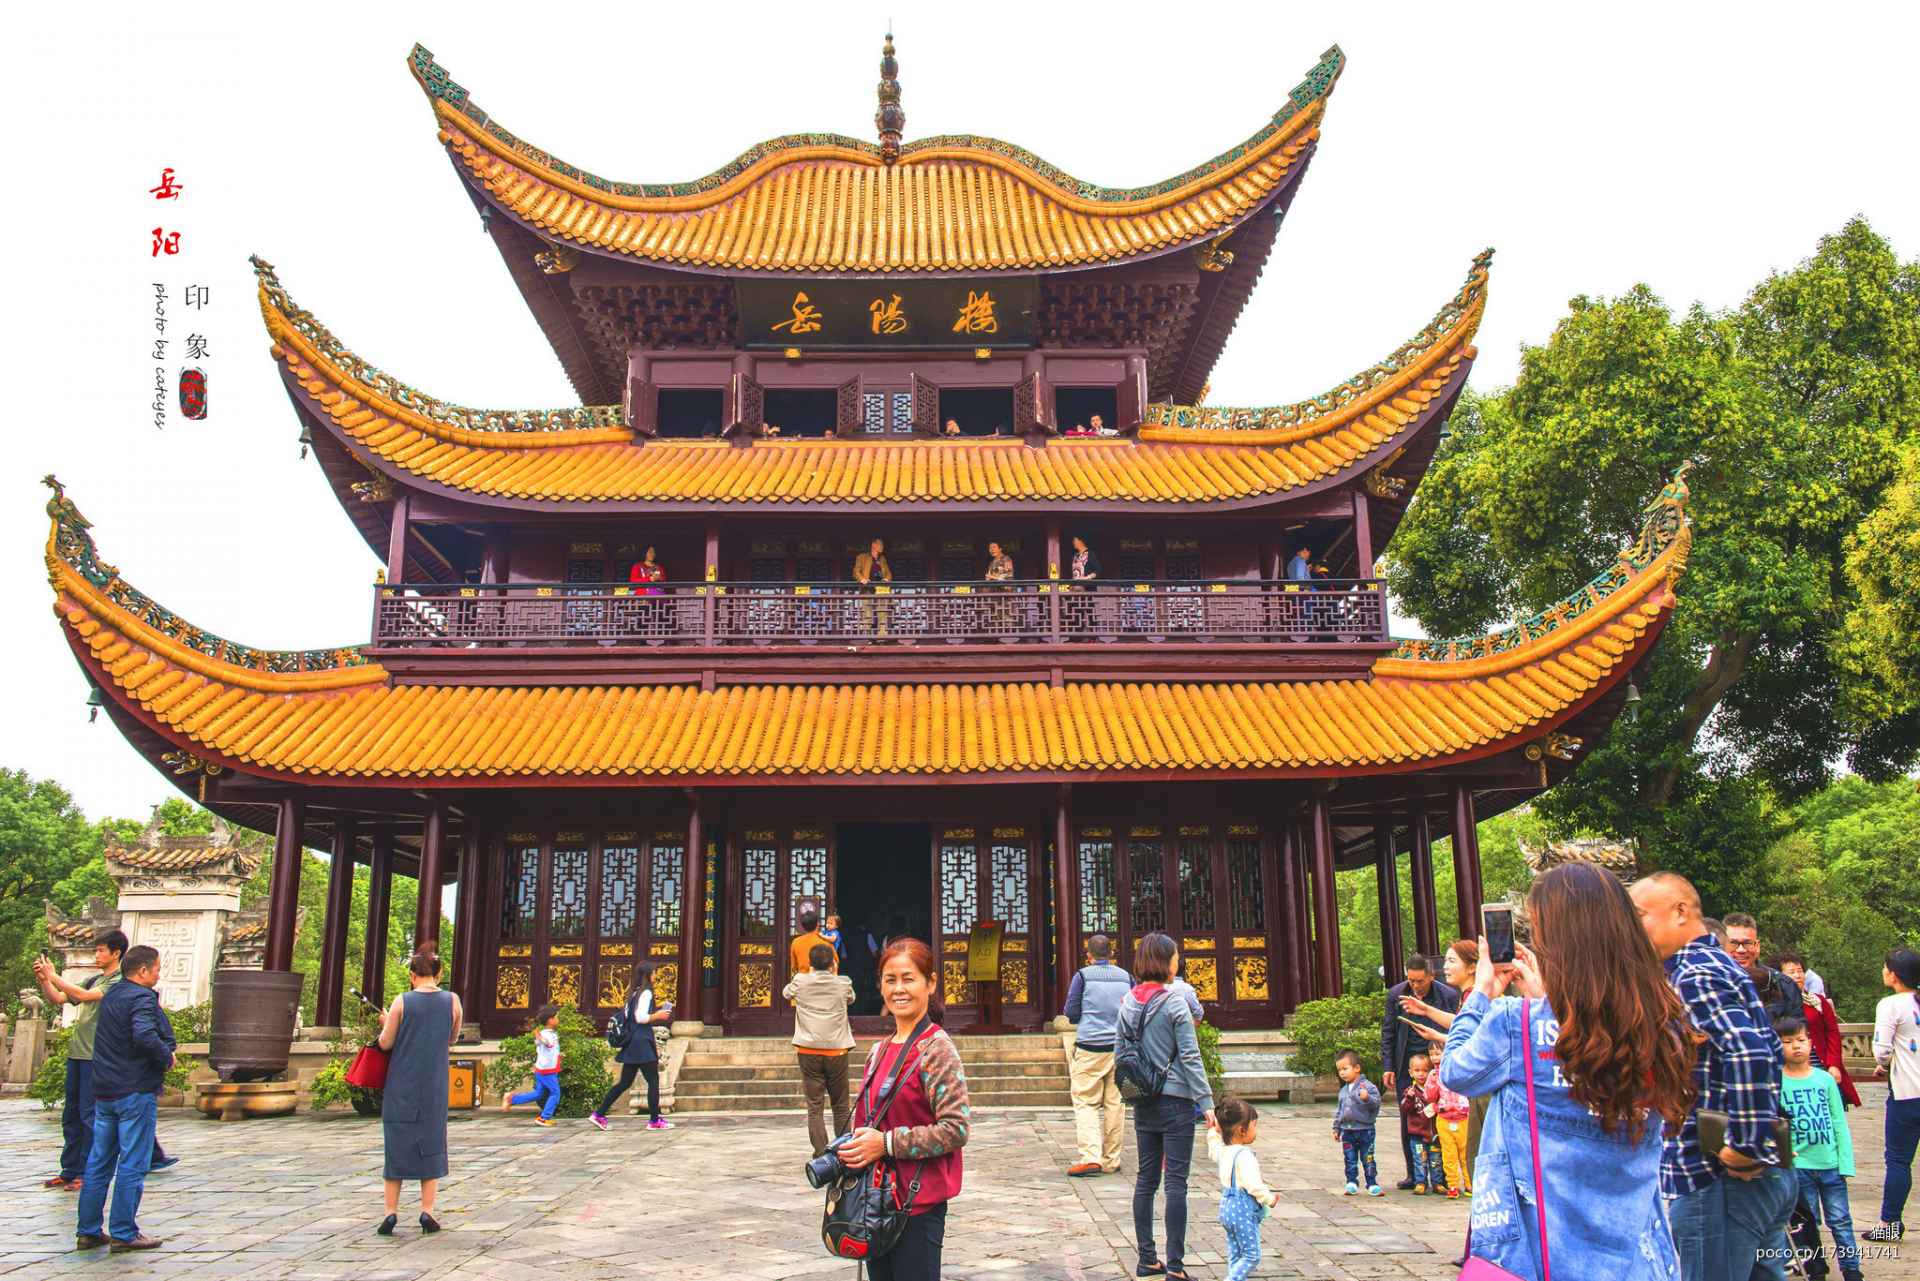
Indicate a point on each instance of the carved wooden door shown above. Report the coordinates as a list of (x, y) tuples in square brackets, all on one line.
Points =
[(989, 874), (776, 874), (746, 408), (850, 408), (926, 406)]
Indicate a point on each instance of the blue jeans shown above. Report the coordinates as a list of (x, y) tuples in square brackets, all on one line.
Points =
[(1163, 1134), (1734, 1229), (546, 1085), (122, 1149), (1356, 1149), (76, 1121), (1426, 1167), (1823, 1195), (1903, 1136)]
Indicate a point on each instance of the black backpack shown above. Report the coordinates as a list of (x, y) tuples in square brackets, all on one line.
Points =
[(1139, 1079)]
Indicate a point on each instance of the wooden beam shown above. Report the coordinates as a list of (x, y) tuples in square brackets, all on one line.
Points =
[(397, 538), (1293, 952), (373, 964), (1426, 913), (1326, 908), (433, 842), (283, 901), (1466, 862), (1066, 905), (1362, 534), (693, 898)]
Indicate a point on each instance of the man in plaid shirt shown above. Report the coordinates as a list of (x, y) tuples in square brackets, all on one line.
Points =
[(1729, 1208)]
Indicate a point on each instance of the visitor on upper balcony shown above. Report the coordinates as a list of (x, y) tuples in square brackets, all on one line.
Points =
[(1086, 566), (1079, 429), (1097, 426), (952, 428), (999, 564), (872, 564), (647, 570), (1300, 568)]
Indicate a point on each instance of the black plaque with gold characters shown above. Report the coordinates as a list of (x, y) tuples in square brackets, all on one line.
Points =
[(868, 315)]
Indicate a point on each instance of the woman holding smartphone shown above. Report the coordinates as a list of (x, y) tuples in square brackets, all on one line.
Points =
[(1583, 1070), (639, 1056)]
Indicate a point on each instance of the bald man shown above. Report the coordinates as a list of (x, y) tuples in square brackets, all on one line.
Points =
[(1730, 1208)]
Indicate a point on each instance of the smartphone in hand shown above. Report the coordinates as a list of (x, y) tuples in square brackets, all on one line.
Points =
[(1496, 921)]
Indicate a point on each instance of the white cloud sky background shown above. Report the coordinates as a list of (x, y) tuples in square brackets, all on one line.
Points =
[(1694, 148)]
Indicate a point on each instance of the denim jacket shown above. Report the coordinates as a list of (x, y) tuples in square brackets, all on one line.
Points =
[(1605, 1215)]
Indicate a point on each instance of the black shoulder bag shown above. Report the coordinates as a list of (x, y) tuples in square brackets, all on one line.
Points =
[(865, 1216), (1137, 1078)]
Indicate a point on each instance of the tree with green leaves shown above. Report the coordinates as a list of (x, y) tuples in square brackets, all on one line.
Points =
[(1796, 409), (46, 844)]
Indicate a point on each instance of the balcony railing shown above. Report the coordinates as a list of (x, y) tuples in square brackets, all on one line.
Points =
[(732, 615)]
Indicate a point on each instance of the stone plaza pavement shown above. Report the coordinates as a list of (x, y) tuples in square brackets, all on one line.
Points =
[(718, 1197)]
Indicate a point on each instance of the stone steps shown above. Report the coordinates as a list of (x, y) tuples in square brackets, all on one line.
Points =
[(762, 1073)]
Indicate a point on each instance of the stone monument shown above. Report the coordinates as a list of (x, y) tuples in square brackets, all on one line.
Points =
[(177, 894)]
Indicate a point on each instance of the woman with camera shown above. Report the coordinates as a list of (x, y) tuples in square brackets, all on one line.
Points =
[(1156, 1015), (1582, 1068), (915, 1087)]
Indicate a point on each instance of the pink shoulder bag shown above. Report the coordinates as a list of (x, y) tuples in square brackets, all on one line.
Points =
[(1480, 1269)]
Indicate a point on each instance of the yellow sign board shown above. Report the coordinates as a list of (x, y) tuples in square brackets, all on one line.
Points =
[(983, 953)]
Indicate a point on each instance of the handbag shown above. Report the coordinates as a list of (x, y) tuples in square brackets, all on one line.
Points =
[(1481, 1269), (368, 1069), (865, 1216)]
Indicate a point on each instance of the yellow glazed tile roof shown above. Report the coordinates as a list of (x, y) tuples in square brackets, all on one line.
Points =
[(823, 203), (1458, 700), (590, 455)]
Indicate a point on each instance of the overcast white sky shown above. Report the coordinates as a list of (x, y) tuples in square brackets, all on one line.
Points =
[(1691, 147)]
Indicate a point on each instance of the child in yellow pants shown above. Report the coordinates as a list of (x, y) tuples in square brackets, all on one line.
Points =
[(1450, 1128)]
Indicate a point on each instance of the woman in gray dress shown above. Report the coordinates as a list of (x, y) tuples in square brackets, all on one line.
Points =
[(418, 1030)]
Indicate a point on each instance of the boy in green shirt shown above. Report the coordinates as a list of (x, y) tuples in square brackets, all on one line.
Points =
[(1822, 1149)]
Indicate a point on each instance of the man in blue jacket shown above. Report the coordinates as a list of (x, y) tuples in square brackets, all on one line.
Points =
[(132, 1049), (1093, 1006)]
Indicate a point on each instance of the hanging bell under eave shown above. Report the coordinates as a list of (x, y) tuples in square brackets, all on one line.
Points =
[(306, 439), (1632, 709), (95, 701)]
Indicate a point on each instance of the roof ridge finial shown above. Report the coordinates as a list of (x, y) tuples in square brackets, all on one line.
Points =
[(891, 118)]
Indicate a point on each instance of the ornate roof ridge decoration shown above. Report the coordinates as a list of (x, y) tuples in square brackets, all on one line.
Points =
[(1452, 325), (441, 88), (274, 299), (154, 851), (1622, 858), (74, 567), (80, 930), (1664, 530)]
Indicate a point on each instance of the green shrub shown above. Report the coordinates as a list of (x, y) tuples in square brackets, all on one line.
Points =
[(359, 1026), (1209, 1037), (1325, 1027), (583, 1064)]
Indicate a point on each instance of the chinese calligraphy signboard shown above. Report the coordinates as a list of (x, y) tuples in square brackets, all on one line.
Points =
[(843, 315)]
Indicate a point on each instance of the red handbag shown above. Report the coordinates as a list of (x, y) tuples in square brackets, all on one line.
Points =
[(369, 1068)]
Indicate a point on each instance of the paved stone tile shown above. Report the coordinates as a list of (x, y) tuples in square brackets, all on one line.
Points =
[(720, 1198)]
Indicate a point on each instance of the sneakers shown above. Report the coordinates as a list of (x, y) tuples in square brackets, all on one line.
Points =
[(1405, 1185), (1374, 1190), (164, 1163), (1419, 1189), (543, 1120), (659, 1123), (1888, 1232), (1353, 1189), (1083, 1170), (58, 1181), (599, 1121), (1453, 1194)]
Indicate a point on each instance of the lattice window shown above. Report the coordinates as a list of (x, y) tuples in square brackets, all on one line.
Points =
[(959, 887), (1247, 896), (873, 413), (1011, 887), (902, 416), (567, 900), (806, 881), (1197, 912), (1147, 875), (619, 890), (520, 901), (669, 869), (759, 890), (1099, 899)]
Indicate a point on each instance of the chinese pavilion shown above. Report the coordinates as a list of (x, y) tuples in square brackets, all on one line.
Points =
[(641, 685)]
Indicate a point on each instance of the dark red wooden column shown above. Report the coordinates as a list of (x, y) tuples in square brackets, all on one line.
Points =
[(1326, 909), (283, 898), (1066, 904), (693, 915), (1466, 862), (1426, 913), (1387, 868), (1293, 952), (331, 984), (397, 539), (373, 963), (469, 928), (1302, 837), (433, 854)]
